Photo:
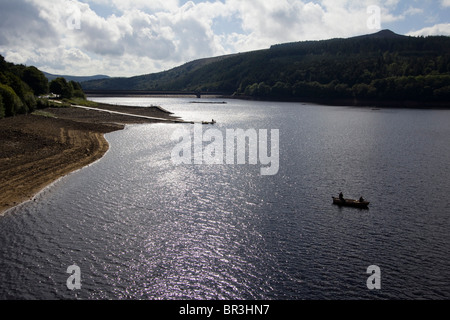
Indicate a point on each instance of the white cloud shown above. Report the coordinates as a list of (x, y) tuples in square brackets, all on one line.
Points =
[(436, 30), (17, 57), (20, 22), (413, 11), (266, 23), (126, 5), (164, 38), (149, 36), (153, 5), (445, 3)]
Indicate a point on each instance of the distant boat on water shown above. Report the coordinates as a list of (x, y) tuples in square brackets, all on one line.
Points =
[(351, 203), (209, 102)]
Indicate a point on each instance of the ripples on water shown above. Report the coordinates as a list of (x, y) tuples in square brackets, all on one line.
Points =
[(141, 228)]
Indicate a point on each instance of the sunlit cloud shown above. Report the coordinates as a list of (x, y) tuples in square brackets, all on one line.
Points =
[(439, 29), (445, 3)]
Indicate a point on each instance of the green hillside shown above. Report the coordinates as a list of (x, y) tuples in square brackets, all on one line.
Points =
[(78, 79), (378, 67)]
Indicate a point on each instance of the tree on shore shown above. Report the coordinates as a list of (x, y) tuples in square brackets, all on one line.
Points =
[(18, 86), (11, 102), (77, 90), (36, 80), (66, 89), (61, 87)]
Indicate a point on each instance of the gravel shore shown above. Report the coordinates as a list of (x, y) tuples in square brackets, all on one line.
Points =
[(37, 149)]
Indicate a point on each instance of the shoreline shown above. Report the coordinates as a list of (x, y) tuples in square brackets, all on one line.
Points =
[(360, 103), (36, 150), (338, 102)]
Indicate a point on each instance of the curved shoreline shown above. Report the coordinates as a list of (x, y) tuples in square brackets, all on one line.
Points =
[(29, 188), (38, 150)]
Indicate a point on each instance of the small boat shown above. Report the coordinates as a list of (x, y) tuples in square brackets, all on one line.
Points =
[(351, 203)]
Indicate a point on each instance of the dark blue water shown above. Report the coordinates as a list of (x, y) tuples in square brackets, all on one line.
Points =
[(140, 227)]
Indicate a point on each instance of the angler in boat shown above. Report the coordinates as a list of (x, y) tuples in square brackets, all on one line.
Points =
[(341, 201)]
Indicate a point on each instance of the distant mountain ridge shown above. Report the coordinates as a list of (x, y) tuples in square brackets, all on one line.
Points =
[(387, 34), (375, 67), (383, 34), (51, 77)]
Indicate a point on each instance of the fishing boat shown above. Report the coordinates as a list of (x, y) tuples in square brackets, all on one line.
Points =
[(351, 203)]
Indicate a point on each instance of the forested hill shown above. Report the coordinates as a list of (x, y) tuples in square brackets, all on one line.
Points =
[(78, 79), (378, 67)]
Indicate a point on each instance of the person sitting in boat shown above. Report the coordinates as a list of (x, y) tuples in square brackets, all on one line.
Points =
[(341, 197), (361, 199)]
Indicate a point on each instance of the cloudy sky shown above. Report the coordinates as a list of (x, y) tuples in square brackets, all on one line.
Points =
[(134, 37)]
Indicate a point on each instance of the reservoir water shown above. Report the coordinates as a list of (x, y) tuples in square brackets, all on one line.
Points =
[(140, 227)]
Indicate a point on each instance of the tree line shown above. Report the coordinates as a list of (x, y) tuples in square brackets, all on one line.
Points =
[(21, 87), (379, 67)]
